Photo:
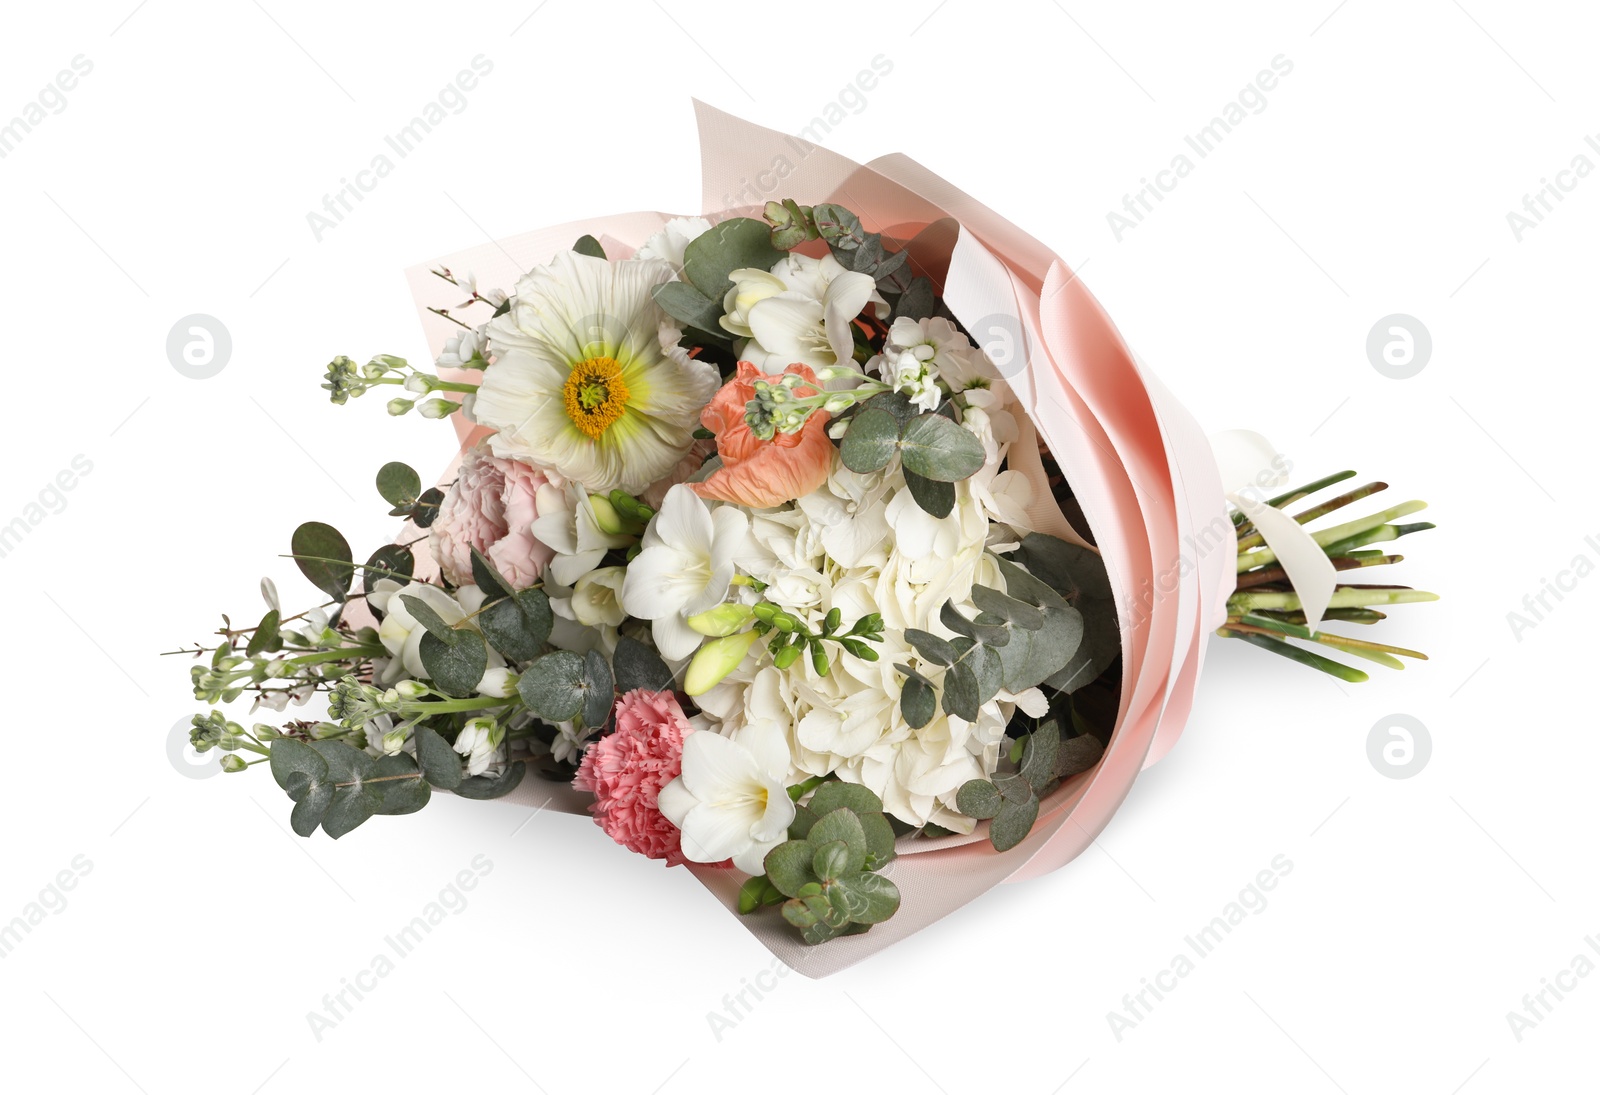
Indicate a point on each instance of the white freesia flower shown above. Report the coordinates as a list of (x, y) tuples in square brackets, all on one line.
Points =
[(567, 526), (730, 801), (596, 598), (669, 243), (588, 379), (809, 320), (400, 632), (685, 567)]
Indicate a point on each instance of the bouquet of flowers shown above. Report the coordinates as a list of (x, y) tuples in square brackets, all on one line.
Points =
[(785, 541)]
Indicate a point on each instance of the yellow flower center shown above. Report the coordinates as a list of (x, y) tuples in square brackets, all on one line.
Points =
[(595, 395)]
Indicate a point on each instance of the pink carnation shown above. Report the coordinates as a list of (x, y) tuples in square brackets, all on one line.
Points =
[(626, 770), (491, 507)]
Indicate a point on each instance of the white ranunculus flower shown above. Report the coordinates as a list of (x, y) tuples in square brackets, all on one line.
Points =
[(567, 526), (400, 632), (669, 243), (730, 802), (588, 380), (684, 567)]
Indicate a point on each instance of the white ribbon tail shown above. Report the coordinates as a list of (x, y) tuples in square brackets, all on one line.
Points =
[(1310, 570)]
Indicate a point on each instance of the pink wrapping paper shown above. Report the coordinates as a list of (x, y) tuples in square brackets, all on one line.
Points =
[(1140, 466)]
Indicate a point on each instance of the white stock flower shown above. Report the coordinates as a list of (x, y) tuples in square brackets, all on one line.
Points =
[(684, 567), (912, 376), (479, 741), (730, 801)]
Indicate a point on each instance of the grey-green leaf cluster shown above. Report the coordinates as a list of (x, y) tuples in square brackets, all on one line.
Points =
[(823, 875)]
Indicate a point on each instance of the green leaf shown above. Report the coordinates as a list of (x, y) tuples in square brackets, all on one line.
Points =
[(518, 626), (455, 668), (918, 703), (880, 840), (996, 634), (487, 577), (323, 556), (987, 671), (804, 819), (917, 302), (399, 484), (840, 227), (870, 442), (289, 756), (839, 795), (440, 763), (265, 634), (390, 561), (553, 686), (961, 692), (936, 498), (599, 690), (842, 827), (896, 403), (310, 807), (1039, 756), (1014, 612), (1013, 823), (637, 665), (732, 245), (427, 507), (399, 796), (485, 787), (1078, 754), (1032, 657), (588, 245), (813, 929), (930, 646), (789, 866), (424, 614), (752, 892), (355, 801), (1068, 568), (690, 307), (979, 799), (936, 448), (868, 898), (832, 859)]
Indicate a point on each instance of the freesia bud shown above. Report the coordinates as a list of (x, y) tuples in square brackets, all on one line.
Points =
[(722, 620), (715, 660), (606, 515)]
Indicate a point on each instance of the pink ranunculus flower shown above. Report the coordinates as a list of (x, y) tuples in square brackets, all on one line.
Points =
[(626, 769), (491, 507)]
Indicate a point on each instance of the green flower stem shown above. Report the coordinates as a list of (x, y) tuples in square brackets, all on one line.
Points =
[(1268, 575), (1342, 598), (1353, 646), (1379, 535), (1288, 498), (448, 707), (1305, 517), (1294, 653)]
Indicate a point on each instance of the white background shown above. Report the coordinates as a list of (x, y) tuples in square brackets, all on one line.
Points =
[(1377, 180)]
